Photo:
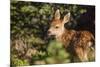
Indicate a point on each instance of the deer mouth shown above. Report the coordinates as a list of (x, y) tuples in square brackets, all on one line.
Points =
[(50, 36)]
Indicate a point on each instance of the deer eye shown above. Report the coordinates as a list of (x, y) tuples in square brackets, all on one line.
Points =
[(57, 27)]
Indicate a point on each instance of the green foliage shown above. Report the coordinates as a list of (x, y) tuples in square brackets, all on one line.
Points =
[(57, 53), (18, 62)]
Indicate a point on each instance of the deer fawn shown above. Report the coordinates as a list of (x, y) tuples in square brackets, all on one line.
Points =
[(77, 41)]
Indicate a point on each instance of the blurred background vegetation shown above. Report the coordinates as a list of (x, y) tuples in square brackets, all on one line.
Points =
[(29, 24)]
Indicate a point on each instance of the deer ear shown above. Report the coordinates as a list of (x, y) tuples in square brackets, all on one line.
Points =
[(66, 18), (57, 14)]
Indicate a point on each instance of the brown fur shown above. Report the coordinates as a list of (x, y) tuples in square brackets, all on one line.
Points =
[(78, 42)]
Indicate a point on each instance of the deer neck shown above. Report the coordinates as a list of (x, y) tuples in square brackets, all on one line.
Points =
[(66, 37), (59, 37)]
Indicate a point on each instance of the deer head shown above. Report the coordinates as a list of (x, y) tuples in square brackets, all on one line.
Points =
[(57, 25)]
